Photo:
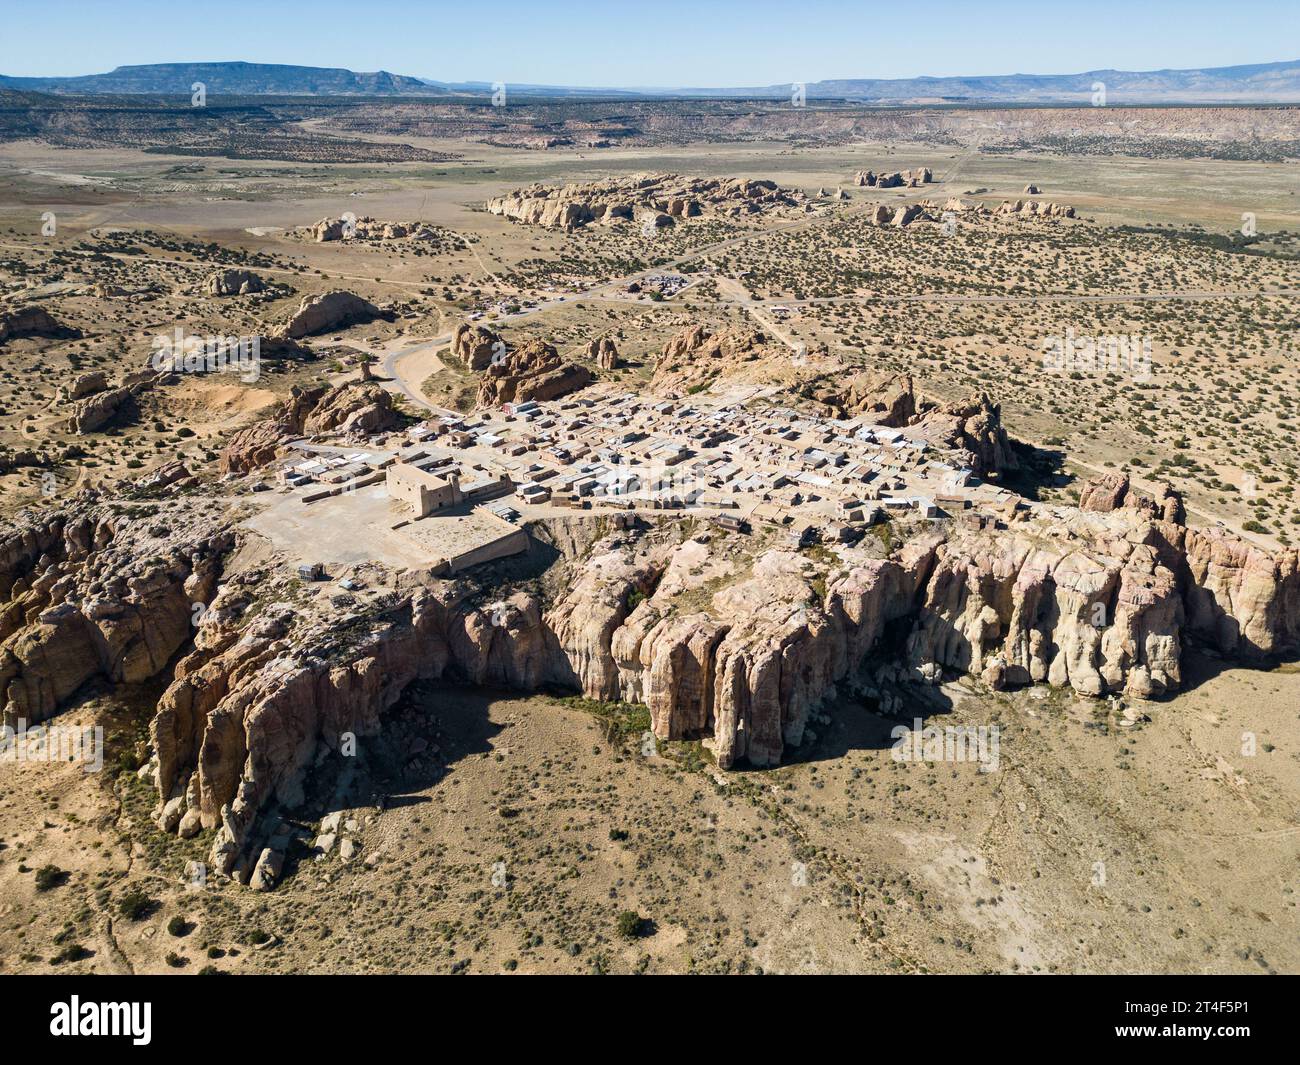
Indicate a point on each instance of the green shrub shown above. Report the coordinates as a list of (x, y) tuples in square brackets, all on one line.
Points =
[(631, 925), (135, 905)]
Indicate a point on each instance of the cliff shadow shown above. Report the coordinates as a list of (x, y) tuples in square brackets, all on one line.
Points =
[(422, 738), (1039, 468), (862, 723)]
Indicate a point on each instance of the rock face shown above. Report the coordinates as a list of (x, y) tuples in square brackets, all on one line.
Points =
[(31, 322), (357, 406), (476, 346), (87, 384), (533, 371), (232, 283), (739, 651), (97, 410), (671, 196), (604, 353), (1037, 208), (88, 594), (890, 398), (329, 310), (910, 178)]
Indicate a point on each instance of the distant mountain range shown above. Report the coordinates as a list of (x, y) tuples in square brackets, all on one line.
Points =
[(233, 79), (1255, 83)]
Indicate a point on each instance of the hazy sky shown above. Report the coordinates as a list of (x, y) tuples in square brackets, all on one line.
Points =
[(651, 42)]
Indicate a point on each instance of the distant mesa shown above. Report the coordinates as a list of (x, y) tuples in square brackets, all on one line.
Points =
[(1254, 82), (236, 79)]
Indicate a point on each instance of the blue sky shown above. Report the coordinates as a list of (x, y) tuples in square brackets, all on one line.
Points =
[(651, 42)]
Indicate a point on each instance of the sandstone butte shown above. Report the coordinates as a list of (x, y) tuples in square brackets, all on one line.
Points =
[(1101, 599)]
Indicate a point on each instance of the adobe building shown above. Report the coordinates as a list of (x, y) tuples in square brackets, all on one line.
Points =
[(422, 491)]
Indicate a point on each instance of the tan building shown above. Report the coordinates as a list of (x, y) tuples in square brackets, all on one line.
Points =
[(423, 492)]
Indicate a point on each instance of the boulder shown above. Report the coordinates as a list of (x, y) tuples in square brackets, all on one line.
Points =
[(327, 311)]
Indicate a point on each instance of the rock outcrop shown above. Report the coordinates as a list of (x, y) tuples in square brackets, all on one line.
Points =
[(98, 409), (358, 406), (329, 310), (1036, 208), (696, 355), (666, 196), (476, 346), (232, 283), (1112, 491), (31, 322), (370, 229), (87, 384), (532, 371), (91, 594), (907, 178), (604, 353), (973, 429), (889, 398)]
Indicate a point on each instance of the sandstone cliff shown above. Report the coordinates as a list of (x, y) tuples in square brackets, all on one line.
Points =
[(731, 640), (82, 600)]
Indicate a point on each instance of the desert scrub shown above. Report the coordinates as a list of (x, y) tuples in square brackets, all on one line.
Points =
[(621, 721), (50, 876), (135, 905), (631, 925)]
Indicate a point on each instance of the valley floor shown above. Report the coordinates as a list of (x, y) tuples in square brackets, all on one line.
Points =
[(524, 827)]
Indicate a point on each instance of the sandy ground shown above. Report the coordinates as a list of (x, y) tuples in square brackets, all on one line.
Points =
[(1092, 848)]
